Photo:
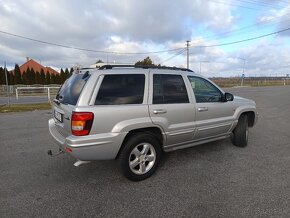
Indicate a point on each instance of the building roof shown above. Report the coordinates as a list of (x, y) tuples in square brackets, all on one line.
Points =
[(36, 67)]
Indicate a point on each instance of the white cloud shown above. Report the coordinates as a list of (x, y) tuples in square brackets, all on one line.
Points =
[(131, 26)]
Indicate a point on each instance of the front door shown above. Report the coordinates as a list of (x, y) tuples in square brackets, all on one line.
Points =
[(214, 117)]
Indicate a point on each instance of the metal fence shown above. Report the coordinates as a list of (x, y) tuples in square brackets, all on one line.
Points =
[(19, 91)]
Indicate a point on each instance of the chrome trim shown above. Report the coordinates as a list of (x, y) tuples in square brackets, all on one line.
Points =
[(193, 143), (213, 127), (181, 132)]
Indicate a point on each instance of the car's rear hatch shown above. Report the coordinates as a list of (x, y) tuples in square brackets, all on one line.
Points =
[(66, 101)]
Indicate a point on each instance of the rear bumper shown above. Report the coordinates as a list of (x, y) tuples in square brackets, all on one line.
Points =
[(92, 147)]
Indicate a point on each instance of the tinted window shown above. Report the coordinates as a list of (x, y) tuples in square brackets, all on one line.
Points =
[(204, 91), (121, 89), (71, 89), (169, 89)]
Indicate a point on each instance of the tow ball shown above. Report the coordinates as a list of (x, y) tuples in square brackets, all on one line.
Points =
[(50, 153)]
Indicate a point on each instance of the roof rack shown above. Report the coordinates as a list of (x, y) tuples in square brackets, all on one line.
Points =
[(144, 67)]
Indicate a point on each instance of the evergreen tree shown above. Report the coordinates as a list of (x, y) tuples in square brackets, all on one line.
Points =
[(42, 77), (71, 71), (66, 73), (10, 76), (2, 76), (57, 79), (47, 78), (26, 77), (32, 76), (52, 79), (37, 78), (62, 76), (17, 75)]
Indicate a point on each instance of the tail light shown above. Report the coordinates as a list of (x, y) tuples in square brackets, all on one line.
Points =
[(81, 123)]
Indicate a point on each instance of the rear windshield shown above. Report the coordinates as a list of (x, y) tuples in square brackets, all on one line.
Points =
[(71, 89)]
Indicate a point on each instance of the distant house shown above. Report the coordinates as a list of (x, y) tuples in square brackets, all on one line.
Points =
[(36, 67)]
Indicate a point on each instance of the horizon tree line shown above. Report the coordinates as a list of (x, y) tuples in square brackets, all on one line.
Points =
[(32, 77)]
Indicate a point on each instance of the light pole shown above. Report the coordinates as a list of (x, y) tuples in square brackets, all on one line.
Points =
[(200, 65), (243, 75)]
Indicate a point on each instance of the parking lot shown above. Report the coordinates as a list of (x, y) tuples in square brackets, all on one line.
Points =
[(211, 180)]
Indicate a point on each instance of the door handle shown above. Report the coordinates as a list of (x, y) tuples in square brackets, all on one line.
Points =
[(159, 111), (202, 109)]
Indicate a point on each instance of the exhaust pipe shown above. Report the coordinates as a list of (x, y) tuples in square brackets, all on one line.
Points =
[(80, 162)]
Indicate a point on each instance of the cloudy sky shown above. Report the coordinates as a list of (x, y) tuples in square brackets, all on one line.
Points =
[(130, 30)]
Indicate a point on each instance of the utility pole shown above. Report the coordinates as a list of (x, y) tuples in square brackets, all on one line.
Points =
[(7, 85), (187, 50), (243, 75)]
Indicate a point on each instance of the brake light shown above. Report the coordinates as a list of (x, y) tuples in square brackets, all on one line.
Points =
[(81, 123)]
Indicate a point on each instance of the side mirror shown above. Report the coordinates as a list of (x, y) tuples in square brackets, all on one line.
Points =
[(228, 97)]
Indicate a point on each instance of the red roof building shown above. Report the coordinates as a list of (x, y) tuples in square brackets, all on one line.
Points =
[(36, 67)]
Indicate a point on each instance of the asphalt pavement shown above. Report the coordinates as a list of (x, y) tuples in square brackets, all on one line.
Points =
[(212, 180)]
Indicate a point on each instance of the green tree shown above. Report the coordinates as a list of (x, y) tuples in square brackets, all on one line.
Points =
[(2, 76), (71, 71), (66, 73), (11, 78), (25, 76), (62, 76), (37, 78), (47, 78), (42, 77), (57, 78), (146, 62), (99, 61), (32, 76), (17, 75), (53, 79)]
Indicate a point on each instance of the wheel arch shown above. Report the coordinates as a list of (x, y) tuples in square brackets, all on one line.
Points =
[(155, 131), (251, 117)]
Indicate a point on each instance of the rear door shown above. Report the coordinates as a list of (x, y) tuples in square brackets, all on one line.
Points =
[(214, 117), (170, 107), (66, 100)]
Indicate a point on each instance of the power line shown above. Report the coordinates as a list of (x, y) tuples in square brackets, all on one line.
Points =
[(86, 49), (180, 50), (258, 3), (173, 56), (240, 41), (242, 29)]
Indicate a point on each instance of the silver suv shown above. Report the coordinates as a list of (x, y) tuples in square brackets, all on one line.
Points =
[(134, 114)]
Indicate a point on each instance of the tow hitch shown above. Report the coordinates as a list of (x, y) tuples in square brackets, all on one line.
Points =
[(50, 153)]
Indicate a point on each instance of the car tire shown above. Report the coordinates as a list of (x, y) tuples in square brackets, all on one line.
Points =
[(241, 132), (140, 156)]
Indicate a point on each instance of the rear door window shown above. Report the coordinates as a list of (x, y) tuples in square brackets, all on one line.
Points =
[(121, 89), (71, 89), (169, 89)]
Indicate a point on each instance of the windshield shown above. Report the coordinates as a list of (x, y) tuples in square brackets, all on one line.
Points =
[(71, 89)]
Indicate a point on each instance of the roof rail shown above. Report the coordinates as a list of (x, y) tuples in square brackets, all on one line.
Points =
[(144, 67), (87, 68)]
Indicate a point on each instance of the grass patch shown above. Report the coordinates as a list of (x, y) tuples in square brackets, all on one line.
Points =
[(24, 107)]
